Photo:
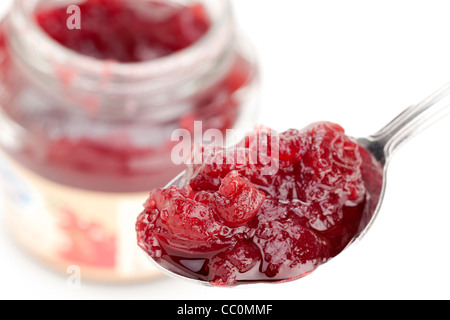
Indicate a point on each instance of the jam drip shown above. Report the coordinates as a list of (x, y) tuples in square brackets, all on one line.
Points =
[(241, 226)]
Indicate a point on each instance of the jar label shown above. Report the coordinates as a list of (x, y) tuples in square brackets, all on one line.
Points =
[(66, 226)]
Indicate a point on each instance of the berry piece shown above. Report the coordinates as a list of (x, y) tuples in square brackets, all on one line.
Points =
[(228, 265), (237, 201), (289, 248), (181, 221)]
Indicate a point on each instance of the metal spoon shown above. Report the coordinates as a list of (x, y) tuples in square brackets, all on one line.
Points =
[(382, 145)]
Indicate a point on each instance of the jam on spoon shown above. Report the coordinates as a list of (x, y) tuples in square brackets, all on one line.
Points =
[(325, 196), (229, 224)]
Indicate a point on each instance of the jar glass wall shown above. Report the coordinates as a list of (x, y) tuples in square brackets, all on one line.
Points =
[(85, 139)]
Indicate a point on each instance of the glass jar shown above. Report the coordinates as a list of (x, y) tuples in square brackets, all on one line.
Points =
[(84, 140)]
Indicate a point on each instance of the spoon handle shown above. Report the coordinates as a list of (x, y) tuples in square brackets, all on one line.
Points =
[(410, 122)]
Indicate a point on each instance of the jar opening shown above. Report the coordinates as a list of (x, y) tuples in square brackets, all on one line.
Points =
[(123, 30), (48, 57)]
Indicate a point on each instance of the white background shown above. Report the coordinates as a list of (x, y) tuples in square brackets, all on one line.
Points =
[(357, 63)]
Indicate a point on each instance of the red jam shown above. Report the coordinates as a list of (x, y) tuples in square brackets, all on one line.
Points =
[(127, 31), (230, 224)]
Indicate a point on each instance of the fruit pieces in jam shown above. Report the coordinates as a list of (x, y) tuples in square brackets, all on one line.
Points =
[(230, 224), (127, 31)]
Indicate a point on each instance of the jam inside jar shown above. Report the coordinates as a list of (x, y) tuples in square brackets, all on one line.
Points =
[(87, 116)]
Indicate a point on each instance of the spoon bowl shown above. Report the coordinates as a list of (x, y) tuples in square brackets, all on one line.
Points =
[(381, 145)]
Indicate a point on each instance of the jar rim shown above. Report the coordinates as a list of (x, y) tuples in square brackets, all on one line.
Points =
[(28, 28)]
